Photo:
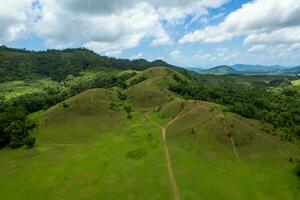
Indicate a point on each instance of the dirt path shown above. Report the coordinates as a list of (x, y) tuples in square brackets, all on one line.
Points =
[(92, 99), (198, 135), (174, 186), (172, 178), (229, 135)]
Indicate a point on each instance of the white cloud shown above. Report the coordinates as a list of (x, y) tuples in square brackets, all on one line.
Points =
[(295, 47), (174, 11), (221, 52), (260, 20), (257, 48), (105, 26), (16, 18), (282, 35), (137, 56), (201, 56), (102, 32), (278, 51), (176, 54)]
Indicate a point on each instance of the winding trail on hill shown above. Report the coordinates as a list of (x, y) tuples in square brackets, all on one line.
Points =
[(93, 100), (229, 135), (175, 189), (201, 127), (164, 129)]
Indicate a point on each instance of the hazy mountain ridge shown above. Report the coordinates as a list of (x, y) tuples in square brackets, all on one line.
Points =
[(219, 70), (249, 69), (294, 70)]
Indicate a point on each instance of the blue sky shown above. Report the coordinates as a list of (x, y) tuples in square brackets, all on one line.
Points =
[(187, 33)]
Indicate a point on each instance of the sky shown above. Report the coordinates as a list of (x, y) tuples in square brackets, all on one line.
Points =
[(186, 33)]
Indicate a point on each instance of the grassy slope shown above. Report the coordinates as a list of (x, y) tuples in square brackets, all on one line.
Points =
[(296, 83), (261, 170), (82, 153), (88, 151)]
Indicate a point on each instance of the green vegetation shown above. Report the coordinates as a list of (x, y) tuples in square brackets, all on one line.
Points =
[(272, 100), (115, 132), (91, 151), (17, 64), (298, 169), (87, 151), (15, 128), (137, 80), (294, 70), (296, 83), (220, 70), (30, 141)]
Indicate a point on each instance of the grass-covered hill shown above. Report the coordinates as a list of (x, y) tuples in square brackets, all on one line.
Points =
[(144, 141), (220, 70), (84, 126)]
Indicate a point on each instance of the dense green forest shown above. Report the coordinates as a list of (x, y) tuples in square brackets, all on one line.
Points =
[(270, 99), (16, 64)]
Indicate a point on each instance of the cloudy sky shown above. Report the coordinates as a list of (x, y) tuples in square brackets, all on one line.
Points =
[(188, 33)]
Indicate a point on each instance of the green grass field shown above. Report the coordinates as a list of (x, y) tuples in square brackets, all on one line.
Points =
[(296, 83), (14, 89), (90, 151), (84, 154)]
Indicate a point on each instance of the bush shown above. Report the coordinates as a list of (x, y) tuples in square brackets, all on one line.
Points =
[(298, 169), (16, 142), (136, 154), (137, 80), (121, 96), (113, 106), (65, 105), (29, 141), (127, 109), (157, 109), (129, 116)]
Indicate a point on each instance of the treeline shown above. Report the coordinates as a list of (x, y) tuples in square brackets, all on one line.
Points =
[(277, 106), (16, 128), (20, 64)]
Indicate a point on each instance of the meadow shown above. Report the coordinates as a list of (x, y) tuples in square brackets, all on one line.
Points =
[(88, 148), (296, 82)]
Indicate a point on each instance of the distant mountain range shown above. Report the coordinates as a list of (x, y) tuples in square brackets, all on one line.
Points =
[(248, 69), (294, 70)]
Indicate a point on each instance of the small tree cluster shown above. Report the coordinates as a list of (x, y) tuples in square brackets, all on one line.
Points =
[(128, 110)]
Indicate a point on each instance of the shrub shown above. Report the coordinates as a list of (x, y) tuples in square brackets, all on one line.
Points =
[(129, 116), (16, 142), (127, 109), (149, 137), (136, 154), (30, 141), (298, 169), (158, 109), (137, 80), (65, 105), (114, 106), (121, 96), (193, 131)]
